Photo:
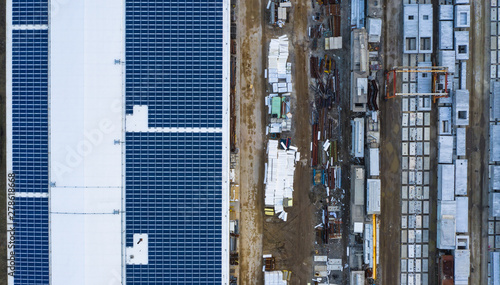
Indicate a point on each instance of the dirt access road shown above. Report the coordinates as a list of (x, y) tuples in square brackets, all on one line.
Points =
[(390, 149), (291, 242), (478, 138), (251, 138)]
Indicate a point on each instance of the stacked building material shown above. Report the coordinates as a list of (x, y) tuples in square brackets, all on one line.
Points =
[(280, 169), (277, 58)]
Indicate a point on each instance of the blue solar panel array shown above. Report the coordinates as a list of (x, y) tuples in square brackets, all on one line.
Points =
[(174, 61), (30, 109), (30, 12), (29, 97), (32, 241), (174, 194)]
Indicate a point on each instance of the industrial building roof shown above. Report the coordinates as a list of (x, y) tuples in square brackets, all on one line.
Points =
[(446, 225), (358, 13), (373, 196), (357, 278), (495, 205), (410, 22), (167, 195), (167, 170), (495, 177), (495, 106), (359, 91), (462, 46), (417, 21), (462, 266), (462, 214), (445, 123), (424, 80), (359, 185), (374, 29), (445, 149), (425, 24), (446, 36), (374, 162), (495, 267), (359, 55), (461, 107), (462, 16), (460, 135), (463, 74), (447, 58), (446, 12), (27, 131), (358, 137), (461, 177), (494, 142), (446, 182)]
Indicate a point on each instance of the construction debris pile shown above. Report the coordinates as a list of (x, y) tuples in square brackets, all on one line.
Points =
[(328, 26), (280, 169), (278, 12), (327, 158), (279, 75)]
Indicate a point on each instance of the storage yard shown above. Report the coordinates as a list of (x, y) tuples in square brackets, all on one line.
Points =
[(360, 143)]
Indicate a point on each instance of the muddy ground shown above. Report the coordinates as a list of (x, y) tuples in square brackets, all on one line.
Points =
[(390, 149), (477, 144), (250, 103), (291, 242)]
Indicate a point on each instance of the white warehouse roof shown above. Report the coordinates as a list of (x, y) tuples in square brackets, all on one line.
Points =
[(461, 177), (462, 214), (374, 162), (446, 12), (460, 135), (495, 106), (447, 58), (374, 30), (461, 107), (494, 205), (462, 16), (373, 196), (446, 224), (358, 137), (445, 149), (462, 45), (462, 266), (495, 177), (495, 268), (446, 182), (494, 142), (86, 247), (446, 36), (445, 124)]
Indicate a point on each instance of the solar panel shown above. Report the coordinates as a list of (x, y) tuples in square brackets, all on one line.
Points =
[(174, 61), (31, 241), (174, 194), (30, 12), (30, 109)]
